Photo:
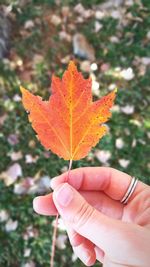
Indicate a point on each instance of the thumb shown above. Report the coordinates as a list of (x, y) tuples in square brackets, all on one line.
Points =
[(84, 218)]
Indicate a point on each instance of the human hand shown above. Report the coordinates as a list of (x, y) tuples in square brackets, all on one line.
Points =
[(98, 225)]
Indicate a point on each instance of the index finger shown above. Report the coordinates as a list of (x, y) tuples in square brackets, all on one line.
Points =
[(112, 182)]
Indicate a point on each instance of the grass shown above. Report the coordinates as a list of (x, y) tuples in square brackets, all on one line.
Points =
[(43, 40)]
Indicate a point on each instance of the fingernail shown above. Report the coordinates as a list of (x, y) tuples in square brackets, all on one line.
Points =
[(64, 195), (35, 204), (52, 183)]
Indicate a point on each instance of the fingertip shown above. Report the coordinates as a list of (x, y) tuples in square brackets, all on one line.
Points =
[(99, 254), (44, 205), (85, 254), (75, 238), (57, 180), (36, 204), (91, 260), (53, 183)]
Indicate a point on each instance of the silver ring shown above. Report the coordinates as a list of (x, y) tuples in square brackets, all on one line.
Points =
[(130, 190)]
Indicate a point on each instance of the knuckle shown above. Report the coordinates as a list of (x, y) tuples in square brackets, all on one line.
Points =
[(83, 215)]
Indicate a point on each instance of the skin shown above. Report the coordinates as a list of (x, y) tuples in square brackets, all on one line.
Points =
[(98, 225)]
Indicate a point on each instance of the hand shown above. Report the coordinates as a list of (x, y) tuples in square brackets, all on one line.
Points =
[(98, 225)]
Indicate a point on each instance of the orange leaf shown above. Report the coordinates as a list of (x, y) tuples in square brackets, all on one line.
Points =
[(69, 123)]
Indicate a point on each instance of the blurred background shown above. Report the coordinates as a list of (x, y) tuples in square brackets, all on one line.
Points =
[(110, 41)]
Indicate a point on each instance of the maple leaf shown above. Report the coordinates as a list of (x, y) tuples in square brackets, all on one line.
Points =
[(69, 123)]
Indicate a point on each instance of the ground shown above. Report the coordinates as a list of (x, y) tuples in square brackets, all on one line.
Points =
[(40, 45)]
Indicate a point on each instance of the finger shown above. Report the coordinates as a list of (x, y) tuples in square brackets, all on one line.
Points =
[(44, 204), (78, 240), (82, 247), (74, 238), (86, 254), (99, 254), (112, 182)]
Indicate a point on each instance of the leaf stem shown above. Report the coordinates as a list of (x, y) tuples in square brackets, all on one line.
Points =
[(56, 227), (54, 241), (70, 166)]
